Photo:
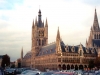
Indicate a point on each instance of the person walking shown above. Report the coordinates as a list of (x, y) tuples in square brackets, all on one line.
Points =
[(0, 72)]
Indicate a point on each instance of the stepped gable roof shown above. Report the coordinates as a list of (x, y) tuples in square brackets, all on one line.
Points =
[(96, 42), (28, 55), (50, 49)]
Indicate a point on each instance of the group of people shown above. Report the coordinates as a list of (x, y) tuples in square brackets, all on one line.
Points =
[(1, 71)]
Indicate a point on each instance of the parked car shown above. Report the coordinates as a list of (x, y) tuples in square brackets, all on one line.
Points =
[(10, 71), (98, 73), (63, 73), (78, 72), (46, 73), (30, 72)]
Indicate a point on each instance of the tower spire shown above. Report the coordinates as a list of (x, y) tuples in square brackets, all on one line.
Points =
[(46, 23), (58, 34), (22, 53), (95, 23), (33, 24)]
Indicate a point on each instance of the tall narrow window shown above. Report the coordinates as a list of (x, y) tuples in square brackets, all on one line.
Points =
[(39, 42), (95, 36), (80, 52), (99, 36), (42, 42)]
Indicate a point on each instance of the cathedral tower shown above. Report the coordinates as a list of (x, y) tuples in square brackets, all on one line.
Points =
[(39, 34), (94, 38)]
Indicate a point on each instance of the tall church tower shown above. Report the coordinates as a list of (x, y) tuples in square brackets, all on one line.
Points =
[(39, 34), (94, 38)]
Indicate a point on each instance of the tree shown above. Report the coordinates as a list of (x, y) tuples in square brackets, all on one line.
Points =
[(19, 65), (13, 66), (91, 64), (5, 61)]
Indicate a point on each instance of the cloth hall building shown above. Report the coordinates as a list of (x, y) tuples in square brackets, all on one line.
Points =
[(58, 55)]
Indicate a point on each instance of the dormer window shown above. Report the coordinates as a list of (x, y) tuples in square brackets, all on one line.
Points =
[(73, 49), (87, 50), (66, 49), (92, 51)]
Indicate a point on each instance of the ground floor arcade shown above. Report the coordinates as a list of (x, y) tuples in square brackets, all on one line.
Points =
[(61, 66)]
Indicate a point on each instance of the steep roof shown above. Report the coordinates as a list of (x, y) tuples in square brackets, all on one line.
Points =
[(28, 55), (50, 49)]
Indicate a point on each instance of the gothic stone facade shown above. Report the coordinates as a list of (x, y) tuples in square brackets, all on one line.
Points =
[(57, 55)]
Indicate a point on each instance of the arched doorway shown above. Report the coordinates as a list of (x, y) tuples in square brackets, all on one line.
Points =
[(64, 67), (59, 67), (68, 67), (85, 67), (76, 67), (72, 66), (80, 67)]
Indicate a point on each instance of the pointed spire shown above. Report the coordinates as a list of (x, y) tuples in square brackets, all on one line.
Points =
[(33, 24), (36, 21), (22, 53), (91, 27), (86, 43), (39, 11), (58, 34), (46, 23), (95, 23)]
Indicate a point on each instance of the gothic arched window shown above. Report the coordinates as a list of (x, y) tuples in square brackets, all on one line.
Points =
[(42, 42), (95, 36), (39, 42), (99, 36)]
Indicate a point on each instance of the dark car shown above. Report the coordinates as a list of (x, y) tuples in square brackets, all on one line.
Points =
[(10, 71), (46, 73), (63, 73)]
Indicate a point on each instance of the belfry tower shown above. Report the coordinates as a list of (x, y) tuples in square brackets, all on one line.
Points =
[(39, 34), (94, 38)]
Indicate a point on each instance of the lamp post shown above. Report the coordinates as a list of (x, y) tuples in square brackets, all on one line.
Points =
[(61, 60)]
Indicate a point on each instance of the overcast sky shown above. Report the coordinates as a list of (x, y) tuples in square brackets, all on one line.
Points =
[(74, 18)]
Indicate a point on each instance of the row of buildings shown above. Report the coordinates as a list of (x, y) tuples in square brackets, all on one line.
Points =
[(58, 55)]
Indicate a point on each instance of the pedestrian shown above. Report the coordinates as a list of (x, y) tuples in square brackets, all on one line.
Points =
[(0, 72)]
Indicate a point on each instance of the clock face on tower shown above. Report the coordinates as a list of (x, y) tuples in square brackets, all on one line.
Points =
[(41, 33)]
